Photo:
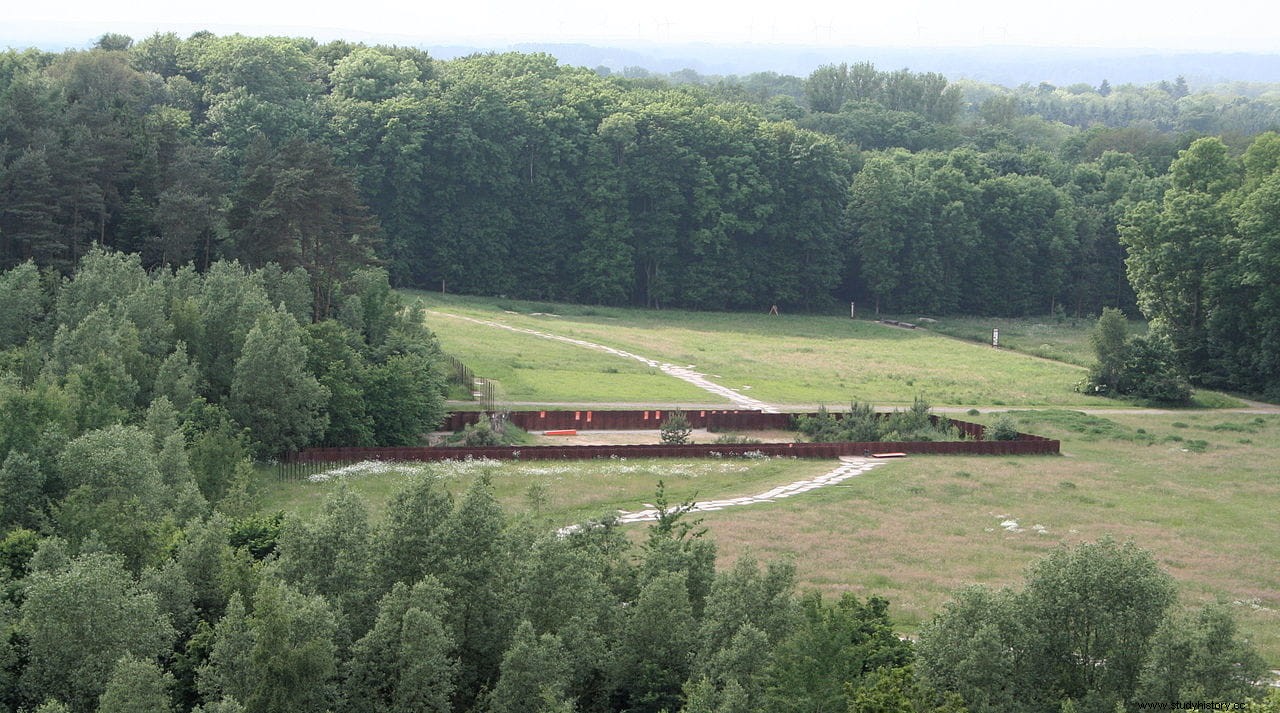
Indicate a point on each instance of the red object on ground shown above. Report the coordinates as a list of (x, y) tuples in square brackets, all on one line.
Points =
[(563, 432)]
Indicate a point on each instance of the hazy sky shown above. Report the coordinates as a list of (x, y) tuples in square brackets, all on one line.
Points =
[(1247, 25)]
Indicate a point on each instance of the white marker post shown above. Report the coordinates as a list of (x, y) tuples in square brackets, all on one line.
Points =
[(995, 337)]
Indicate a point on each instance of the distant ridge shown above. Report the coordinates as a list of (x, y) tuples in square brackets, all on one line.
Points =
[(1004, 65), (1008, 66)]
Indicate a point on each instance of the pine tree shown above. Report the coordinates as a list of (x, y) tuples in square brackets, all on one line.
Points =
[(407, 544), (477, 569), (229, 671), (405, 662), (675, 429), (654, 656), (293, 660)]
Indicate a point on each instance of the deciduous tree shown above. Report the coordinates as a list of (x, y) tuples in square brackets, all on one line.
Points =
[(272, 393), (95, 604)]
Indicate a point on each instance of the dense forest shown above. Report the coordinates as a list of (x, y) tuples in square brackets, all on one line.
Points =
[(513, 175), (199, 240)]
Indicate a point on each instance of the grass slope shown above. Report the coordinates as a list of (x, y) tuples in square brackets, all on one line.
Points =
[(567, 492), (1198, 490), (530, 369), (1065, 340), (793, 359)]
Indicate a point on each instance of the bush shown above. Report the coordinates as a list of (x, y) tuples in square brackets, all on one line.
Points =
[(821, 427), (861, 424), (479, 434), (1138, 367), (676, 430), (483, 433), (1004, 429), (735, 439), (915, 424), (1149, 375)]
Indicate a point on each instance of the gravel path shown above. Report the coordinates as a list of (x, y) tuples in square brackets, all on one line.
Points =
[(850, 466), (684, 373)]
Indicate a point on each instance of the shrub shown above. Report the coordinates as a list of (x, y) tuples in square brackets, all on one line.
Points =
[(735, 439), (479, 434), (1137, 367), (676, 430), (1004, 429), (861, 424), (487, 432), (821, 427)]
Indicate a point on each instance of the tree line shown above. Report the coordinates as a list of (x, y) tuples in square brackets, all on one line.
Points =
[(513, 175)]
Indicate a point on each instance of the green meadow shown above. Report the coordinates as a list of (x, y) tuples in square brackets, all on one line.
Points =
[(784, 360), (1196, 487)]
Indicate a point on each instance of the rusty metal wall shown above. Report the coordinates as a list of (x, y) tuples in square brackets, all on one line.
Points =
[(1037, 446), (722, 419)]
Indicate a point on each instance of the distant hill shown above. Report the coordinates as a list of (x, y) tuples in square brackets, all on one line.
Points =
[(1008, 66)]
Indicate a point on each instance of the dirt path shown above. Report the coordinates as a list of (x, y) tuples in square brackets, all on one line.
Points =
[(849, 467), (684, 373)]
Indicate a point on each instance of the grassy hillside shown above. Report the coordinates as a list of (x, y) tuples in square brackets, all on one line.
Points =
[(788, 359), (1065, 340), (561, 493)]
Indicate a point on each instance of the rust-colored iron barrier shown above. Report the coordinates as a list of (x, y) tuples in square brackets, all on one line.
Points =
[(639, 420), (583, 420)]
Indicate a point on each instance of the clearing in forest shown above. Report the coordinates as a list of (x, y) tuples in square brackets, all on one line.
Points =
[(788, 360), (1197, 487)]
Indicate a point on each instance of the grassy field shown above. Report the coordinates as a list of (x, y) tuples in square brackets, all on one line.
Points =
[(529, 369), (566, 492), (1065, 340), (1197, 487), (1197, 490), (793, 359)]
